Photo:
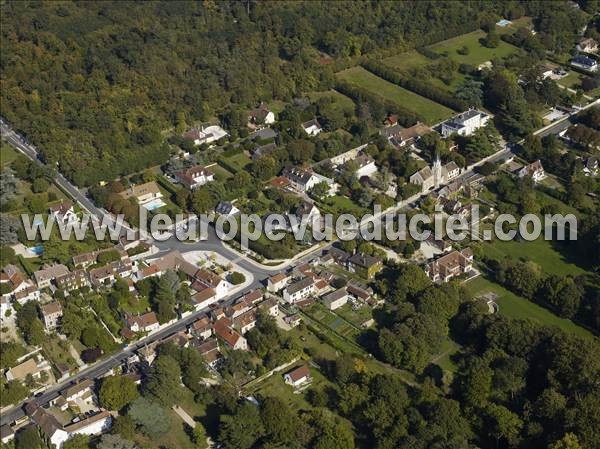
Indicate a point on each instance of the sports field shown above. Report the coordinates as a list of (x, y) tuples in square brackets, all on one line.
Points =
[(431, 112)]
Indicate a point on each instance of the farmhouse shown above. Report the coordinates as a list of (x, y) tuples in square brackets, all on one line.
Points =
[(194, 177), (464, 124), (450, 265), (297, 376)]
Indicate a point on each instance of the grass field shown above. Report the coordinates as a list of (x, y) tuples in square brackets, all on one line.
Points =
[(411, 59), (220, 172), (430, 111), (514, 306), (539, 251), (7, 154), (238, 161), (340, 101), (477, 52), (338, 205), (356, 317)]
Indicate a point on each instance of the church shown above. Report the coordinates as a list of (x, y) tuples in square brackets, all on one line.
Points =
[(435, 176)]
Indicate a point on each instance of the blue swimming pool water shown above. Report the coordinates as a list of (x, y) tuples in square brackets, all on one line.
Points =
[(37, 250)]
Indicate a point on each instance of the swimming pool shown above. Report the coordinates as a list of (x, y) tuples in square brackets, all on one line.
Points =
[(38, 250), (155, 204)]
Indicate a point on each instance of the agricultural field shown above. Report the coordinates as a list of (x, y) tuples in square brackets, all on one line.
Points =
[(514, 306), (431, 112), (477, 52)]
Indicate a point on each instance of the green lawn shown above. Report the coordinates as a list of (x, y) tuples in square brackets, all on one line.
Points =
[(514, 306), (338, 205), (356, 317), (237, 162), (430, 111), (220, 172), (477, 52), (539, 251)]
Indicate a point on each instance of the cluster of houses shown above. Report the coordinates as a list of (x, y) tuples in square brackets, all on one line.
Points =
[(90, 419), (303, 285)]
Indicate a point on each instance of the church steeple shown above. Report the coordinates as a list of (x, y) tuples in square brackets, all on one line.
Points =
[(437, 171)]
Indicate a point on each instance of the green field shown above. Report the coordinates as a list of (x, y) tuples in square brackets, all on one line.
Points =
[(539, 251), (356, 317), (237, 162), (7, 154), (430, 111), (220, 172), (514, 306), (412, 59), (340, 101), (477, 52), (338, 205), (407, 60)]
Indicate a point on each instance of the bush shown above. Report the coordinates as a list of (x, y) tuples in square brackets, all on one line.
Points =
[(237, 278)]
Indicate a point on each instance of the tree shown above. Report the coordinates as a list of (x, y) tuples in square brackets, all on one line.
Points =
[(569, 441), (150, 417), (124, 426), (77, 442), (28, 438), (108, 441), (279, 421), (301, 150), (503, 424), (117, 391), (9, 226), (8, 186), (164, 380), (492, 40), (199, 437), (202, 201), (242, 430)]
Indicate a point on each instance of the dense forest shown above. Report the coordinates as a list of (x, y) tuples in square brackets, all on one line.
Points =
[(97, 84)]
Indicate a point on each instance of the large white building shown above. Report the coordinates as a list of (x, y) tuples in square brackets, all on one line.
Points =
[(465, 124)]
